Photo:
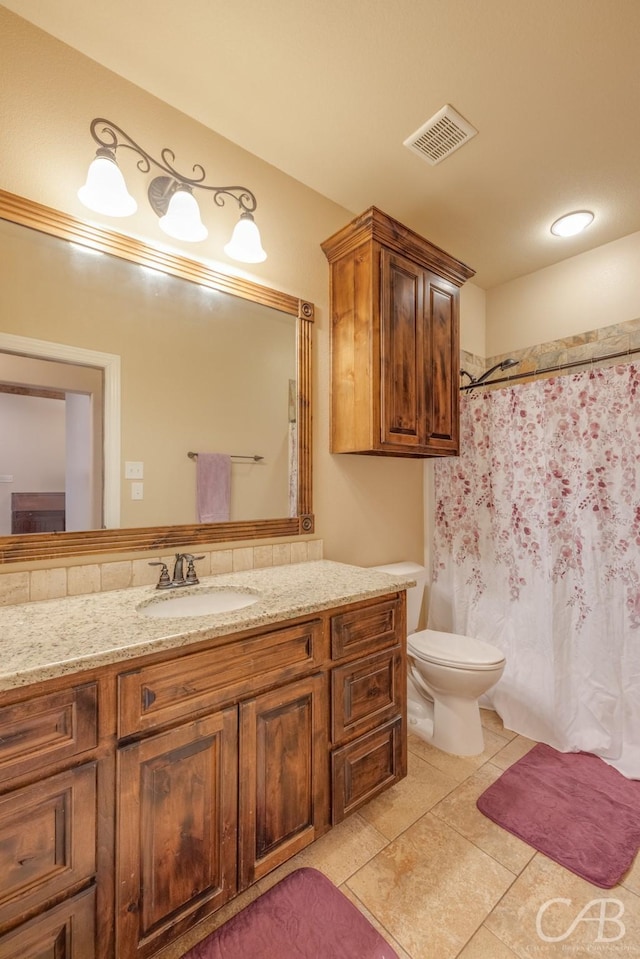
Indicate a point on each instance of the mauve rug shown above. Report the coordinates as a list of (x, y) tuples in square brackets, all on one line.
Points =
[(572, 807), (304, 916)]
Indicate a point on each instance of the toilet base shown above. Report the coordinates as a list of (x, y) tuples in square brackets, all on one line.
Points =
[(449, 723), (419, 715), (457, 727)]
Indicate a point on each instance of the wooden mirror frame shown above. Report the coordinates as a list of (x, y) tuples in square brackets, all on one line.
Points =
[(40, 546)]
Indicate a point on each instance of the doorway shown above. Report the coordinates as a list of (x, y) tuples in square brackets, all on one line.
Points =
[(60, 431)]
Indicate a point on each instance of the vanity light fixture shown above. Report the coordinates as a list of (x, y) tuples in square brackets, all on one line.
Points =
[(171, 195), (572, 223)]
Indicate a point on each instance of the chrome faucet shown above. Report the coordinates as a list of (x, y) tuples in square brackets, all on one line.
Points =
[(179, 578), (178, 570)]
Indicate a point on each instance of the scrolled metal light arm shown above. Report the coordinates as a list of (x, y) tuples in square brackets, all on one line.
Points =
[(170, 194), (111, 137)]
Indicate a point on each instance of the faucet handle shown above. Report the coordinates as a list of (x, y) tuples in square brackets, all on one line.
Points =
[(164, 580), (191, 576)]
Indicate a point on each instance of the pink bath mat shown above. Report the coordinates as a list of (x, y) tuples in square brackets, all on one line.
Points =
[(572, 807), (304, 916)]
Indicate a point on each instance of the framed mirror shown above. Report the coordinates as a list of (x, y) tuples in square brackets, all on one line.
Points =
[(190, 360)]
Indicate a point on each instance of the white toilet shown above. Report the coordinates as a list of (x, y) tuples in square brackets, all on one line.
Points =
[(447, 674)]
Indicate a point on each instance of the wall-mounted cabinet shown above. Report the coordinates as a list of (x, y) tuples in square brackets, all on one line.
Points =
[(395, 348)]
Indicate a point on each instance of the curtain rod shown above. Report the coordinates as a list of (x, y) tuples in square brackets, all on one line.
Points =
[(551, 369), (233, 456)]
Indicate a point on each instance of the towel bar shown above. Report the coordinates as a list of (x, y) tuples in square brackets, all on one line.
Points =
[(233, 456)]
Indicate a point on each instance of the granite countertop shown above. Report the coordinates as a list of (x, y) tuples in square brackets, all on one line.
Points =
[(55, 637)]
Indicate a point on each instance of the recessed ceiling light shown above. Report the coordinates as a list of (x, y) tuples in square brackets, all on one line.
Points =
[(572, 223)]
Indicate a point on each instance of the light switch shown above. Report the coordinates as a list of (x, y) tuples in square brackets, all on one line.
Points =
[(6, 478), (137, 490), (133, 470)]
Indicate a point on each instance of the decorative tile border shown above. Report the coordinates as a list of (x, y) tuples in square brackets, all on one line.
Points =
[(586, 349), (60, 581)]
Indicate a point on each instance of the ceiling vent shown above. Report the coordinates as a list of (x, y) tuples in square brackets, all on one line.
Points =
[(440, 136)]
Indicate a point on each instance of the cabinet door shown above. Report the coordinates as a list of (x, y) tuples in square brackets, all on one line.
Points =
[(177, 825), (402, 353), (441, 365), (284, 778)]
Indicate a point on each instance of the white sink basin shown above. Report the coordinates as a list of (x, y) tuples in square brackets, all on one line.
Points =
[(203, 603)]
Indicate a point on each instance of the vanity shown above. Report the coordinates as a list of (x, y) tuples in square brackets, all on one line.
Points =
[(152, 767)]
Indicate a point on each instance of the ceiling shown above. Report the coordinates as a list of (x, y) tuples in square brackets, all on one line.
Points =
[(328, 90)]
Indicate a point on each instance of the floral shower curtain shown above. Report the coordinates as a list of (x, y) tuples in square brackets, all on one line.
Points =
[(537, 550)]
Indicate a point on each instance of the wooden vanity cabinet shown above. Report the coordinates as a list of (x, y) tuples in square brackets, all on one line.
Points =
[(48, 819), (395, 352), (137, 802)]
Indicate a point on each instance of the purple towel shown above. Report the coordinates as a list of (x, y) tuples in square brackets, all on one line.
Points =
[(213, 487)]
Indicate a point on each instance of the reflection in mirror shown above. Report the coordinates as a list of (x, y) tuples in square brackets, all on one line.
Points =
[(209, 363), (51, 417), (201, 370)]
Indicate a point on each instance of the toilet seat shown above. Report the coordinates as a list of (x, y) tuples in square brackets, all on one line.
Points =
[(454, 650)]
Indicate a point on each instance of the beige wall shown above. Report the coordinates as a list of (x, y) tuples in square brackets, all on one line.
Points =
[(368, 509), (585, 292), (473, 306)]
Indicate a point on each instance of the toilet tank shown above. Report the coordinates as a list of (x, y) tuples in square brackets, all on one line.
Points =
[(414, 593)]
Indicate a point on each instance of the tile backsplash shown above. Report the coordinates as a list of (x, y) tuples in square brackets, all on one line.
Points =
[(588, 349), (56, 582)]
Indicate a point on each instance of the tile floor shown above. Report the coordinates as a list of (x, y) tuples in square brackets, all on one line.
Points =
[(440, 881)]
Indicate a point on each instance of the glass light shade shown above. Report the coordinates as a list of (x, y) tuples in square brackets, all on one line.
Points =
[(182, 219), (105, 190), (245, 244), (572, 223)]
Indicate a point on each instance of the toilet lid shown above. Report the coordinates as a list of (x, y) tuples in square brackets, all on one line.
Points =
[(452, 649)]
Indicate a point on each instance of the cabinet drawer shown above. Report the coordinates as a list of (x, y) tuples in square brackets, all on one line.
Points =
[(47, 839), (66, 932), (366, 693), (47, 729), (365, 767), (167, 692), (365, 630)]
